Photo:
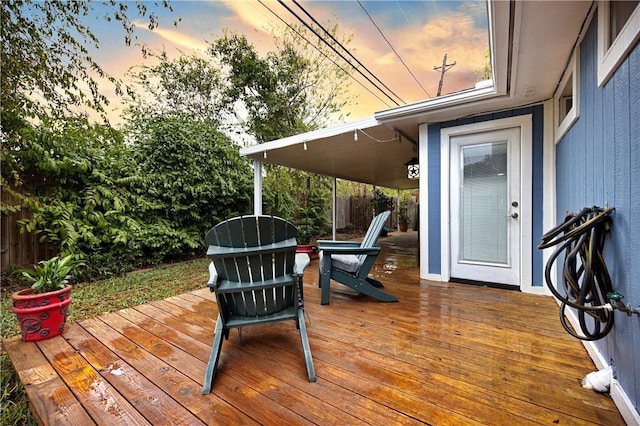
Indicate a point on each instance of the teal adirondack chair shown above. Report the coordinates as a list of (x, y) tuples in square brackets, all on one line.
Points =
[(349, 263), (256, 279)]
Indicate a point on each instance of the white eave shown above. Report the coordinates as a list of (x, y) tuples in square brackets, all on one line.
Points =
[(465, 97), (346, 128)]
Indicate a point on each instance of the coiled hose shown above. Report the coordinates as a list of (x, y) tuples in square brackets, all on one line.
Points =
[(585, 277)]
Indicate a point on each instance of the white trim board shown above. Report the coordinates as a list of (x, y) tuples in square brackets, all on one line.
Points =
[(618, 395), (423, 153)]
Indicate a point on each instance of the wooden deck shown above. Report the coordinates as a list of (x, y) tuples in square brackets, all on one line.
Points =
[(445, 354)]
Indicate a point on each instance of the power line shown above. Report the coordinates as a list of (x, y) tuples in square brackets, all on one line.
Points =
[(325, 55), (392, 48), (338, 53), (343, 48)]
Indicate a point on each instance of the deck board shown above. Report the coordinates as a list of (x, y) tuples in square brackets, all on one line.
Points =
[(445, 354)]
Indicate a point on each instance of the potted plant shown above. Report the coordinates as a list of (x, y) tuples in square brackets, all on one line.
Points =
[(403, 215), (304, 241), (403, 221), (310, 215), (42, 309)]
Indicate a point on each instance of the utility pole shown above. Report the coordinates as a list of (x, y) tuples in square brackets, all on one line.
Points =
[(443, 68)]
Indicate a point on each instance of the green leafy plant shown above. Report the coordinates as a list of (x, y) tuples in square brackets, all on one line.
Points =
[(51, 275), (381, 202), (403, 207), (313, 203), (304, 233)]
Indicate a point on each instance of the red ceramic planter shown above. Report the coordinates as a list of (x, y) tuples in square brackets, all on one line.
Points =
[(308, 249), (41, 315)]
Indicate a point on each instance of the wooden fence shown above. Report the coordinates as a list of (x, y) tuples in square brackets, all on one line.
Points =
[(356, 212), (18, 249), (353, 212)]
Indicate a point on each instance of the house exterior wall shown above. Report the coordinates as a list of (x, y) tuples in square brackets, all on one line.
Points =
[(598, 163), (435, 185)]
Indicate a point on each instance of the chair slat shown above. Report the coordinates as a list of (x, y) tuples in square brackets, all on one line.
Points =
[(265, 228), (229, 269), (279, 264), (266, 266), (250, 229)]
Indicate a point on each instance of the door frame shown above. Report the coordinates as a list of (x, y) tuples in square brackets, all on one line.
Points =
[(504, 274), (524, 122)]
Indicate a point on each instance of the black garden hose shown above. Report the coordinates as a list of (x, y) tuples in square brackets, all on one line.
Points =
[(585, 277)]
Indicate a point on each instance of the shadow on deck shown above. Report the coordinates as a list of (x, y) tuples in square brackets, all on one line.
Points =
[(445, 354)]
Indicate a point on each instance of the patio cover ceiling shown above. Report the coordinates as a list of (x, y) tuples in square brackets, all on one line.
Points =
[(531, 43), (377, 156)]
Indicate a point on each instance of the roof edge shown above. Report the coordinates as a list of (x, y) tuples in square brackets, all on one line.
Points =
[(439, 104), (309, 136)]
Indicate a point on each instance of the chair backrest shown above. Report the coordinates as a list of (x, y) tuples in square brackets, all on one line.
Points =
[(254, 258), (374, 231)]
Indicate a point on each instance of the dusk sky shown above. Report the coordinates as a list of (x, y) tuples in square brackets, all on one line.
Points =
[(420, 32)]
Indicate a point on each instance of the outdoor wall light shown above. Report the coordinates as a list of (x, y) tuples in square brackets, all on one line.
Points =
[(355, 135), (413, 168)]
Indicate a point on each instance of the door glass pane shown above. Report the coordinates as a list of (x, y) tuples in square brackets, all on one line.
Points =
[(484, 203)]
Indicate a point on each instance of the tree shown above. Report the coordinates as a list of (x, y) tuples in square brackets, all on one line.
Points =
[(189, 85), (48, 73), (485, 72), (119, 205), (74, 176), (293, 89), (47, 69), (289, 91)]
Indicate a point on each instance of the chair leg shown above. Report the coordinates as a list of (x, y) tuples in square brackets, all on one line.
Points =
[(324, 280), (364, 287), (210, 373), (308, 359)]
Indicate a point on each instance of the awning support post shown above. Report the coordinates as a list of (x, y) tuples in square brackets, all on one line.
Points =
[(257, 187)]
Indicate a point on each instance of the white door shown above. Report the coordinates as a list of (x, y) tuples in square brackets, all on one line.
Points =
[(485, 206)]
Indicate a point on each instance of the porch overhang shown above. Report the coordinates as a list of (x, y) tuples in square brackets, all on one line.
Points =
[(367, 151)]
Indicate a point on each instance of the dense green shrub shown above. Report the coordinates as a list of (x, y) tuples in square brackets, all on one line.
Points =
[(381, 202), (193, 178), (119, 205), (314, 207)]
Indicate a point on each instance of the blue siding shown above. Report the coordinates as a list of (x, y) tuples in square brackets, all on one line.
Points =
[(434, 199), (537, 182), (598, 163), (633, 285)]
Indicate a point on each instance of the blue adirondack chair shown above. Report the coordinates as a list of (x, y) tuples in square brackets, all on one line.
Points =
[(349, 263), (256, 279)]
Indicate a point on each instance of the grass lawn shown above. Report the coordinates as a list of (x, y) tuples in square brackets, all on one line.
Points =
[(91, 299)]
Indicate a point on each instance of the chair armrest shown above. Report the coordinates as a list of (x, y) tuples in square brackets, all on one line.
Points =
[(332, 243), (213, 276), (302, 261), (350, 250)]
